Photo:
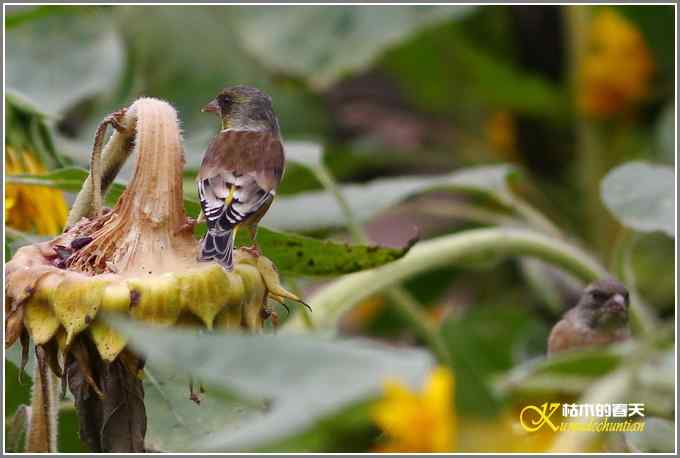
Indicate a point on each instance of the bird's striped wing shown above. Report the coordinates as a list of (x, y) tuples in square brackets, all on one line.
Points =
[(239, 175), (228, 199)]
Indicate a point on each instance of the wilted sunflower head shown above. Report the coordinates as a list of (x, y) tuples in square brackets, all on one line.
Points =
[(138, 258)]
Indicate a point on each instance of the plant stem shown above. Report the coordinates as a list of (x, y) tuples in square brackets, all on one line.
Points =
[(104, 166), (535, 217), (593, 155), (400, 297), (326, 178), (413, 312), (41, 434), (460, 248)]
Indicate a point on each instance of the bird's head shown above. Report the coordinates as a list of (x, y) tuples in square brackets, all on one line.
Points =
[(243, 107), (605, 302)]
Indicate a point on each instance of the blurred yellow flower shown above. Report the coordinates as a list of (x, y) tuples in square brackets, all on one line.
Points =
[(501, 134), (32, 208), (503, 434), (418, 422), (617, 68)]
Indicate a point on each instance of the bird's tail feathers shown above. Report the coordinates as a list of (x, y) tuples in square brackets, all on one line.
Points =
[(218, 246)]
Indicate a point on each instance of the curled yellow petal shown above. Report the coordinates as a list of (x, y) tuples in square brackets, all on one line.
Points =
[(76, 303), (109, 343), (40, 321), (254, 296)]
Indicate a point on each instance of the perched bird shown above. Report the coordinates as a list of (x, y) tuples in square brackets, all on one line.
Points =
[(240, 172), (600, 317)]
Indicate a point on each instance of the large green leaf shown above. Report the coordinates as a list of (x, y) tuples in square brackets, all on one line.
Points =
[(657, 437), (291, 253), (322, 44), (297, 254), (655, 382), (642, 196), (60, 59), (505, 85), (319, 209), (207, 58), (445, 70), (485, 341), (175, 422), (351, 430), (302, 378), (569, 372), (67, 179)]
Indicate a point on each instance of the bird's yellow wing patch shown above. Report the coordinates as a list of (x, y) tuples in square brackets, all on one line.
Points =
[(230, 196)]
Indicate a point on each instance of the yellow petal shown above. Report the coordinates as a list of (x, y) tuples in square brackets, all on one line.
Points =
[(76, 302)]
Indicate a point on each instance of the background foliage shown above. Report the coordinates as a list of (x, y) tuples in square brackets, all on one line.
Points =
[(400, 123)]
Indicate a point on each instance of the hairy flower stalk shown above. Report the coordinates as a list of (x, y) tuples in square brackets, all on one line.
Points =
[(138, 258)]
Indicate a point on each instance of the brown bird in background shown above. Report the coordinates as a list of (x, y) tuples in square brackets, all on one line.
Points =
[(600, 317), (241, 170)]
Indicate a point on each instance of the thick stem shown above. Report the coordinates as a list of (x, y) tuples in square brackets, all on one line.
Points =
[(41, 435), (478, 244), (593, 154)]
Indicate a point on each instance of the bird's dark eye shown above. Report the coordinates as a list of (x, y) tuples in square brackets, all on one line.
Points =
[(225, 101), (599, 295)]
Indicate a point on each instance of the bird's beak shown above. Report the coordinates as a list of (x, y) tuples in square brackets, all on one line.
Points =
[(617, 302), (212, 107)]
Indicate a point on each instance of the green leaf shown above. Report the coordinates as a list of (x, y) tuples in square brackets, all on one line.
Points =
[(206, 60), (657, 437), (568, 372), (654, 383), (69, 179), (18, 14), (297, 254), (352, 430), (62, 59), (615, 387), (504, 85), (642, 196), (447, 71), (69, 430), (485, 342), (319, 209), (175, 422), (324, 44), (17, 393), (302, 378), (8, 249)]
